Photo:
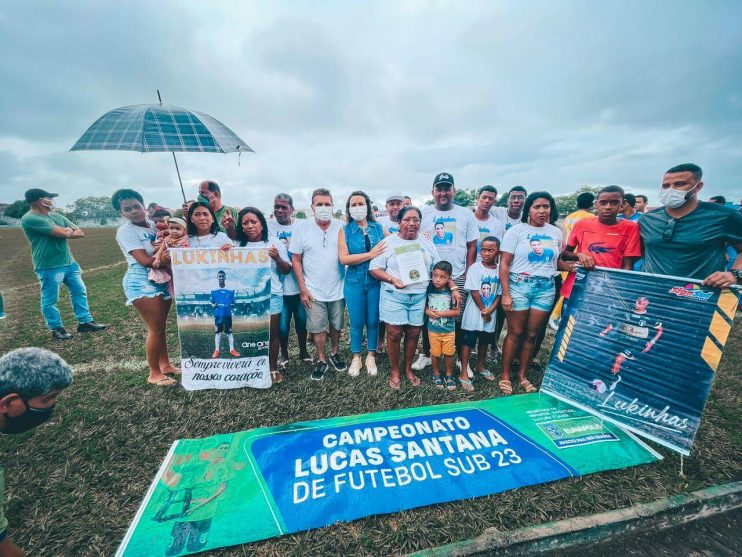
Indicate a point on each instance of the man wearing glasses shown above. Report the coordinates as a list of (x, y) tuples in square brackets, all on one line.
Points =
[(688, 237), (283, 228), (314, 255), (510, 215)]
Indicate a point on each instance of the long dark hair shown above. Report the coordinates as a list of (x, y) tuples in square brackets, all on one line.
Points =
[(369, 209), (241, 236), (192, 230), (553, 213)]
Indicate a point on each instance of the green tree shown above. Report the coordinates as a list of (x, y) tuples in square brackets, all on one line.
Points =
[(465, 198), (91, 208), (568, 203), (16, 209), (338, 214), (300, 214)]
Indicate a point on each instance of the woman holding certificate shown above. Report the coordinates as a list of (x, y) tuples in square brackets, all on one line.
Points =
[(404, 271)]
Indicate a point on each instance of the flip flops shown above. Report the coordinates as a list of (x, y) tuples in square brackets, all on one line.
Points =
[(414, 380), (487, 374), (466, 384), (276, 377), (164, 382), (394, 384)]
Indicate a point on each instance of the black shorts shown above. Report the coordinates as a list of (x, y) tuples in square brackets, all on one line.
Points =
[(470, 338), (223, 324)]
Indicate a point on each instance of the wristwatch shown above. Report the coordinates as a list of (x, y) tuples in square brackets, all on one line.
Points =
[(737, 273)]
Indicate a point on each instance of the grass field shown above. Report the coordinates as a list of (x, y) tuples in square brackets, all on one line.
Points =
[(74, 485)]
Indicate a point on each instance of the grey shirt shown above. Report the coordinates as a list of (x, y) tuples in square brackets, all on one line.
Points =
[(692, 246)]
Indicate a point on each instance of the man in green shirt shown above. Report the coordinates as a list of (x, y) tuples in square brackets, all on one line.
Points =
[(53, 262), (226, 217)]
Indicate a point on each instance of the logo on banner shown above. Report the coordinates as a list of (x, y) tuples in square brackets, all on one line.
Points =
[(692, 291), (574, 432)]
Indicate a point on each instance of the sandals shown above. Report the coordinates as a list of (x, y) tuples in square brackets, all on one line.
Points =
[(164, 382), (394, 384), (414, 380), (487, 374), (467, 384), (450, 383), (505, 386), (276, 377), (437, 381), (527, 386)]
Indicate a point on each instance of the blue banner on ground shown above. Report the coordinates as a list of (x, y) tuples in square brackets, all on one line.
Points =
[(641, 351)]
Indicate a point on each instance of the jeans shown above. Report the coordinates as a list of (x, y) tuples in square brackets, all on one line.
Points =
[(51, 280), (292, 306), (361, 293)]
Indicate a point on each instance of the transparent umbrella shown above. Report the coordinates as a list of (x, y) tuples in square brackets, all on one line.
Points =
[(160, 127)]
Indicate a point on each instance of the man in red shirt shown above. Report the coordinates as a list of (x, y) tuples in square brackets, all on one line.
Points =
[(604, 241)]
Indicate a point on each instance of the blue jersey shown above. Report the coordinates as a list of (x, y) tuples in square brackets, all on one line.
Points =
[(223, 299)]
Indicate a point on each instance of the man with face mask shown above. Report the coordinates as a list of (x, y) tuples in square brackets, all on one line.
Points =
[(48, 233), (314, 254), (688, 237), (30, 381)]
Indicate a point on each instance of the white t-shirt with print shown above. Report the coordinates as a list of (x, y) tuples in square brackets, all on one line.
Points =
[(490, 227), (387, 261), (501, 214), (283, 232), (391, 226), (535, 249), (131, 237), (276, 282), (323, 273), (487, 283), (209, 241), (459, 228)]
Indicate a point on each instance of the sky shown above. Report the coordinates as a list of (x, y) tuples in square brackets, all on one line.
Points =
[(378, 96)]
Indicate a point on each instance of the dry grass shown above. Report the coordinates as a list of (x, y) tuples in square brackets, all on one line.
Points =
[(74, 485)]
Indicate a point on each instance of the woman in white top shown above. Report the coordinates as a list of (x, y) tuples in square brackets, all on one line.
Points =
[(528, 262), (252, 232), (151, 299), (203, 229)]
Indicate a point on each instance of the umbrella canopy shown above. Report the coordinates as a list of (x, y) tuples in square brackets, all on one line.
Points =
[(159, 127)]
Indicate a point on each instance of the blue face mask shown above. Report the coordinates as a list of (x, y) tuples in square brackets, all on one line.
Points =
[(203, 199), (31, 418)]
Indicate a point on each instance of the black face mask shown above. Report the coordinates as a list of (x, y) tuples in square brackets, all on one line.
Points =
[(30, 419)]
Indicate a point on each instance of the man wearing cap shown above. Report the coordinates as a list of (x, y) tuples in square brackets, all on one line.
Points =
[(460, 252), (394, 203), (48, 233), (210, 192)]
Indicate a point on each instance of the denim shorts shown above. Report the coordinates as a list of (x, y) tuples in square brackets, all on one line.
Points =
[(529, 292), (137, 285), (398, 308), (276, 304)]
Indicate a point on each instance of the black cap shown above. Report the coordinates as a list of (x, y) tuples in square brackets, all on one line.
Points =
[(442, 180), (34, 194)]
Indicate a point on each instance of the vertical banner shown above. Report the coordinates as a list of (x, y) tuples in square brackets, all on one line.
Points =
[(223, 304), (641, 351), (253, 485)]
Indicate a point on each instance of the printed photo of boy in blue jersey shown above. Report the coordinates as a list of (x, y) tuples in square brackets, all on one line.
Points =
[(223, 301)]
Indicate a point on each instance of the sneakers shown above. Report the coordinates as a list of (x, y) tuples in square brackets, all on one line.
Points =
[(371, 364), (283, 363), (215, 354), (319, 371), (338, 363), (421, 363), (355, 366), (554, 324), (234, 353), (60, 333), (90, 327)]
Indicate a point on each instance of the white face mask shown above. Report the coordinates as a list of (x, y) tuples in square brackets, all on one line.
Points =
[(323, 213), (359, 212), (48, 203), (674, 199)]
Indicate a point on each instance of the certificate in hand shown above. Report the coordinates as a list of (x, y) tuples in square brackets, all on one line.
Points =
[(412, 267)]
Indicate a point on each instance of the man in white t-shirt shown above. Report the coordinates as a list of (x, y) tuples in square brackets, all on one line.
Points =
[(282, 228), (394, 202), (457, 244), (488, 224), (319, 274)]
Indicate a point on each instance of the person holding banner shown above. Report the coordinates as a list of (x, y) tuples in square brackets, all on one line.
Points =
[(688, 237), (404, 268), (253, 233), (203, 229), (359, 242), (528, 263), (314, 254), (152, 300)]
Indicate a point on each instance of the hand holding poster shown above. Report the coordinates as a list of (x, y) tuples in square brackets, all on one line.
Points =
[(641, 351), (223, 305)]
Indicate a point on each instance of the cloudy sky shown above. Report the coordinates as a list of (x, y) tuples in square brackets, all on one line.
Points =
[(377, 95)]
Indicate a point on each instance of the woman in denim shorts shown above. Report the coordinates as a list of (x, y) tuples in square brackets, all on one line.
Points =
[(151, 299), (402, 303), (252, 232), (528, 262)]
